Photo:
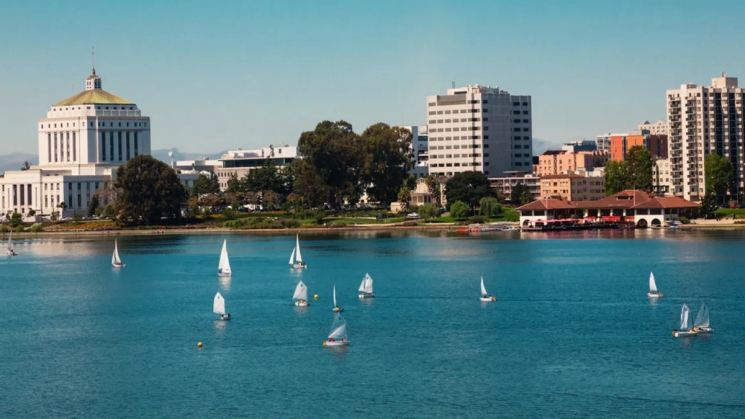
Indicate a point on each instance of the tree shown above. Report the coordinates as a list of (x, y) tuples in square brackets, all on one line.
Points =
[(459, 210), (26, 165), (386, 161), (428, 212), (614, 177), (468, 187), (720, 176), (489, 207), (433, 189), (93, 205), (31, 212), (309, 187), (518, 192), (54, 216), (205, 184), (271, 200), (62, 205), (16, 219), (708, 205), (404, 197), (332, 157), (639, 164), (150, 190)]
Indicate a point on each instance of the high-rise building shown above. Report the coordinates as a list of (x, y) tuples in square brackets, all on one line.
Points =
[(479, 128), (419, 150), (704, 120)]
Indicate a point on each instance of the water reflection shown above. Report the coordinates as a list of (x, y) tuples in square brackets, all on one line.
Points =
[(224, 283), (339, 352), (219, 327), (653, 301)]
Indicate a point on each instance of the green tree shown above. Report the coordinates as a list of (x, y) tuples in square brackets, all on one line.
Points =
[(614, 177), (720, 176), (205, 184), (332, 154), (26, 165), (228, 214), (520, 194), (54, 216), (77, 218), (270, 200), (150, 190), (16, 219), (489, 207), (404, 197), (468, 187), (428, 212), (708, 205), (433, 189), (639, 164), (31, 212), (93, 205), (459, 210), (386, 161), (309, 190)]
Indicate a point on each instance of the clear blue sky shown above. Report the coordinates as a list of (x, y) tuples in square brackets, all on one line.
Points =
[(226, 74)]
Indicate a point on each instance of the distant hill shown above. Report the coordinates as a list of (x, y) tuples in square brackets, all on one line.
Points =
[(14, 161)]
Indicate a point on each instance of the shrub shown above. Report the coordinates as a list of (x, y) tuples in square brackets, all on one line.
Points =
[(77, 218), (459, 210), (319, 215), (16, 219), (37, 228), (4, 229), (428, 211), (228, 214), (479, 219), (684, 220)]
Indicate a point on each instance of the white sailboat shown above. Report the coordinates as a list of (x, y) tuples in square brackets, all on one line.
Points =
[(485, 297), (223, 269), (218, 307), (337, 309), (115, 260), (338, 333), (685, 324), (10, 251), (296, 259), (653, 293), (301, 295), (702, 324), (366, 287)]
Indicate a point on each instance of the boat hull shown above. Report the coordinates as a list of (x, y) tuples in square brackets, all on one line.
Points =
[(118, 266), (338, 309), (335, 343), (365, 295), (296, 266), (302, 303), (683, 333), (704, 330), (487, 299), (11, 253), (654, 295), (224, 275), (225, 318)]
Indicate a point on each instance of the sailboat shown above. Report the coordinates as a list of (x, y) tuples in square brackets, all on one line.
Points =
[(701, 324), (115, 261), (366, 287), (337, 309), (223, 269), (685, 324), (485, 297), (10, 251), (296, 259), (218, 307), (301, 295), (338, 333), (653, 293)]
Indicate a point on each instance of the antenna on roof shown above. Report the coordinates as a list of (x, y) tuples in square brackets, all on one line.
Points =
[(93, 58)]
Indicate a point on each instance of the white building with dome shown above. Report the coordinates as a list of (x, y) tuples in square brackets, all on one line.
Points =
[(82, 141)]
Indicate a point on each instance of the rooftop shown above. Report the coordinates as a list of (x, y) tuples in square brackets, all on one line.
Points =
[(93, 97), (629, 199)]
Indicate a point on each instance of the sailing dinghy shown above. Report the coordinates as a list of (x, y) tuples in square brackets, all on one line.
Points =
[(338, 334), (337, 309), (685, 324), (296, 259), (223, 269), (366, 287), (653, 293), (218, 307), (10, 251), (301, 295), (115, 261), (485, 297), (701, 324)]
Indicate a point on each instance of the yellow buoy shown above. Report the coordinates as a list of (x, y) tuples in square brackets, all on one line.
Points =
[(324, 343), (315, 297), (199, 345)]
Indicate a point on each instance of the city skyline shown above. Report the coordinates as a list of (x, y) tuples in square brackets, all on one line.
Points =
[(246, 75)]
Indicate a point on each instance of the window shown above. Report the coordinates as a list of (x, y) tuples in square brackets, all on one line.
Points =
[(517, 121), (120, 143), (517, 129), (516, 104), (127, 141), (525, 103), (137, 152), (526, 120)]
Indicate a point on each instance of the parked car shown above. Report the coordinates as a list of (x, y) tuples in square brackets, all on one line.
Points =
[(412, 215)]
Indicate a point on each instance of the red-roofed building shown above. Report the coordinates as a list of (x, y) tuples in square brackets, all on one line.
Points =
[(629, 206)]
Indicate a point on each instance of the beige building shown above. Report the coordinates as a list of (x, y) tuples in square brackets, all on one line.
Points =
[(505, 184), (655, 128), (238, 163), (479, 128), (573, 187), (554, 162), (662, 177), (704, 120)]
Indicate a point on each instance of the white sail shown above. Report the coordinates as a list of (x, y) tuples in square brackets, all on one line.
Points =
[(115, 257), (218, 306), (298, 257), (224, 267), (334, 295), (301, 292), (702, 318), (366, 285), (684, 321), (483, 288), (10, 241), (338, 328), (292, 257), (652, 284)]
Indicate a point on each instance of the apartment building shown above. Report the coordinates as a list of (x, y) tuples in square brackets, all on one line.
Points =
[(238, 163), (704, 120), (479, 128), (506, 183), (570, 187), (620, 144), (577, 146), (554, 162), (661, 177), (419, 150), (657, 128)]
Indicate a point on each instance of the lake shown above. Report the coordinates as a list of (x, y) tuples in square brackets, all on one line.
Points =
[(572, 332)]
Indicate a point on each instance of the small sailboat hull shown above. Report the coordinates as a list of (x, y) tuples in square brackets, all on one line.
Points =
[(704, 330), (488, 299), (225, 318), (299, 266), (654, 294), (302, 303), (338, 309), (224, 274), (121, 265), (366, 295), (335, 343), (683, 333)]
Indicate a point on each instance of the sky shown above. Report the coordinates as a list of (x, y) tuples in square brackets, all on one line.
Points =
[(218, 75)]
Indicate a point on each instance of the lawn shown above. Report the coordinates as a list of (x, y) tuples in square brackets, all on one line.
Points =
[(729, 212)]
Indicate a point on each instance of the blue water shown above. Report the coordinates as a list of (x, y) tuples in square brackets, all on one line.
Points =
[(572, 333)]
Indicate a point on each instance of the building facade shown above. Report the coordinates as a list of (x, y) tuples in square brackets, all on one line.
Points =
[(662, 177), (554, 162), (238, 163), (81, 141), (419, 150), (656, 128), (505, 184), (479, 128), (577, 146), (620, 144), (704, 120), (571, 187)]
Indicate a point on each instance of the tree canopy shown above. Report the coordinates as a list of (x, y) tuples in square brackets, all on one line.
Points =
[(520, 194), (459, 210), (205, 184), (635, 172), (150, 190), (614, 177), (468, 187), (386, 161), (719, 175)]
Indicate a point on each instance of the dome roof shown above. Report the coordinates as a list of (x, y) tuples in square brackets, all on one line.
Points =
[(93, 97)]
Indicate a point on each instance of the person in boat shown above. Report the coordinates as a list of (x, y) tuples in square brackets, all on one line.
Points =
[(344, 340), (331, 339), (226, 316)]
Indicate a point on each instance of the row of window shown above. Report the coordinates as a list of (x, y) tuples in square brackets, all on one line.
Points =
[(447, 147), (463, 137), (457, 156), (522, 129), (456, 111), (522, 155), (467, 164), (122, 142), (458, 129), (63, 146), (123, 108), (517, 121), (525, 146), (447, 121), (517, 112)]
